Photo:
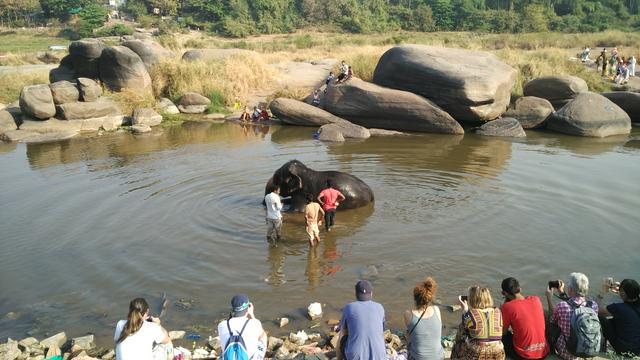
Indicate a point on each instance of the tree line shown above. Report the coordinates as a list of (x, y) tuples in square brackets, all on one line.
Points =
[(238, 18)]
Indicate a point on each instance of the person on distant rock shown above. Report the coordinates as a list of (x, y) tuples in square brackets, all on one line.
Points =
[(622, 74), (632, 66), (316, 97), (621, 321), (246, 114), (242, 327), (603, 53), (424, 324), (141, 337), (349, 74), (585, 54), (361, 335), (313, 214), (328, 81), (274, 217), (329, 198), (344, 71)]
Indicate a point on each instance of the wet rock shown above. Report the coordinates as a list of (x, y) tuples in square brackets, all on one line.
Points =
[(121, 68), (110, 355), (146, 116), (627, 101), (530, 111), (176, 334), (84, 56), (383, 132), (26, 136), (6, 123), (508, 127), (27, 342), (284, 321), (370, 105), (274, 343), (348, 130), (298, 338), (64, 92), (56, 340), (590, 114), (37, 101), (282, 353), (61, 73), (314, 337), (558, 89), (330, 134), (294, 112), (214, 344), (166, 106), (314, 310), (9, 350), (89, 89), (87, 110), (84, 342), (476, 90), (53, 351), (140, 129)]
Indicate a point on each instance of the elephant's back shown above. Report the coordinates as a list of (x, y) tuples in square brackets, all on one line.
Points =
[(356, 191)]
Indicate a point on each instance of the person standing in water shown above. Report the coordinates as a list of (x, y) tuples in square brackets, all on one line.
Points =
[(312, 215), (274, 217), (329, 198)]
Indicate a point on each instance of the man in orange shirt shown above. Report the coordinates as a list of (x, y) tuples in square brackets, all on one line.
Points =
[(329, 198), (312, 215)]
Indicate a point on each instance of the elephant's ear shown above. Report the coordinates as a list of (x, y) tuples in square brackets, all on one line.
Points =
[(295, 182)]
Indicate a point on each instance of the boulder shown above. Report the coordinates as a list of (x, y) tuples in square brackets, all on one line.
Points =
[(590, 114), (342, 130), (85, 342), (192, 109), (87, 110), (37, 101), (192, 98), (558, 89), (149, 51), (627, 101), (214, 54), (6, 121), (176, 334), (331, 134), (383, 132), (121, 68), (56, 340), (140, 129), (9, 350), (64, 92), (370, 105), (295, 112), (469, 85), (166, 106), (530, 111), (85, 56), (89, 89), (146, 116), (61, 73), (502, 127), (49, 126)]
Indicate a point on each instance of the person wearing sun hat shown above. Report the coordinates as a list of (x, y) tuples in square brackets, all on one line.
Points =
[(362, 327), (242, 316)]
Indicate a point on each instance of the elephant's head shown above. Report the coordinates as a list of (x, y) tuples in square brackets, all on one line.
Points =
[(290, 177)]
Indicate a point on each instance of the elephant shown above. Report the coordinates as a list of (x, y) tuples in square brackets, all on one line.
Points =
[(296, 180)]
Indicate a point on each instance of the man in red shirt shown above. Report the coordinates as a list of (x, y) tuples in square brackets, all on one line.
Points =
[(525, 316), (329, 198)]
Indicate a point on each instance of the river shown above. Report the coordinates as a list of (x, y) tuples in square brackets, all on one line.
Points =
[(89, 223)]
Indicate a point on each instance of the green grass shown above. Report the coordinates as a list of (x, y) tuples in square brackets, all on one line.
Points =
[(18, 41), (217, 104)]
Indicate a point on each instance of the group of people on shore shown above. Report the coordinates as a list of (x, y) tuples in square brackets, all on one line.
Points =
[(578, 327), (620, 67), (317, 208), (258, 114)]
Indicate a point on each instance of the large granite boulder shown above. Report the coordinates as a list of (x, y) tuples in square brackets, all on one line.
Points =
[(339, 131), (6, 121), (530, 111), (61, 73), (590, 114), (26, 136), (121, 68), (166, 106), (193, 103), (89, 89), (64, 92), (87, 110), (214, 54), (146, 116), (469, 85), (558, 89), (374, 106), (628, 101), (84, 55), (37, 101), (149, 51), (509, 127), (330, 134), (295, 112)]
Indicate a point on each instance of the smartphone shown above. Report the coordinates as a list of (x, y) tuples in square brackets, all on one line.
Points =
[(554, 284), (463, 298)]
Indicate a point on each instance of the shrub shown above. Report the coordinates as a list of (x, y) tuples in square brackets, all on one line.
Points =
[(116, 30)]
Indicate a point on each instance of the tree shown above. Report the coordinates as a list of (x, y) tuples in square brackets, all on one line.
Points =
[(166, 7), (91, 17), (534, 19), (135, 8)]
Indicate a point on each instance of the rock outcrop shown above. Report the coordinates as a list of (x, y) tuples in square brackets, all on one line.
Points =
[(37, 101), (469, 85), (627, 101), (193, 103), (374, 106), (530, 111), (166, 106), (64, 92), (61, 73), (508, 127), (590, 114), (89, 89), (86, 110), (84, 57), (146, 116), (295, 112), (121, 68), (559, 89), (149, 51), (7, 122)]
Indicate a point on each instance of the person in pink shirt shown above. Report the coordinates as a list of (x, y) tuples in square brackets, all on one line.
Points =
[(329, 199)]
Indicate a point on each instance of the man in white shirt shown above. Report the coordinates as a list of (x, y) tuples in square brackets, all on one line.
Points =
[(274, 217), (244, 323)]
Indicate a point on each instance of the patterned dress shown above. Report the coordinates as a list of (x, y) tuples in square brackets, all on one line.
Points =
[(479, 336)]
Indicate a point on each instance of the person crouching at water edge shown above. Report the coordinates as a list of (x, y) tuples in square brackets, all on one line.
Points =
[(141, 337), (242, 335), (480, 332), (274, 217), (312, 215), (329, 198)]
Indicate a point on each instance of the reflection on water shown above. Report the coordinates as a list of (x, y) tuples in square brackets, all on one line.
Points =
[(178, 211)]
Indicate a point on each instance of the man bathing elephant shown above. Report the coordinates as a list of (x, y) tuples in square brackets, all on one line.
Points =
[(296, 180)]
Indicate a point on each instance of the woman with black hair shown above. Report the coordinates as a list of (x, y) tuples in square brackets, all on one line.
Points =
[(135, 337), (623, 329)]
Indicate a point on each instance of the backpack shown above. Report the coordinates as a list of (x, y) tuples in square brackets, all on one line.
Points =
[(584, 339), (235, 349)]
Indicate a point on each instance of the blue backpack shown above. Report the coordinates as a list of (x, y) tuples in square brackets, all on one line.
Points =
[(235, 349)]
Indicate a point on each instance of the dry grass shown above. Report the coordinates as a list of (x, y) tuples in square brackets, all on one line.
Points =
[(12, 83), (291, 93), (129, 100)]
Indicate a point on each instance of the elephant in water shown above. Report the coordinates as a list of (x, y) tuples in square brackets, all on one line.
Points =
[(297, 180)]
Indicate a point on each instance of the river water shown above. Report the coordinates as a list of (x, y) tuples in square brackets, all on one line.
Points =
[(88, 224)]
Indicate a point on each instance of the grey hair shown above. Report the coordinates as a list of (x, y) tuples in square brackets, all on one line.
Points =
[(579, 283)]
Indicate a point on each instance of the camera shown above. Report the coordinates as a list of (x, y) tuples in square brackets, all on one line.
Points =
[(463, 298), (555, 284)]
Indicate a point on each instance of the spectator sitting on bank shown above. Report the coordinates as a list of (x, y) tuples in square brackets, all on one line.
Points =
[(242, 327), (255, 116), (560, 316), (361, 334), (479, 335), (525, 316), (328, 81), (137, 338), (316, 97), (264, 115), (246, 114), (349, 74), (344, 71), (623, 329), (424, 324)]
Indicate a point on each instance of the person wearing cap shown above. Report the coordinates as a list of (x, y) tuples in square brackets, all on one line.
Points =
[(362, 326), (254, 336)]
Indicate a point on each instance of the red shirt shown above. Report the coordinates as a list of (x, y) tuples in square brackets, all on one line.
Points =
[(527, 323), (329, 197)]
